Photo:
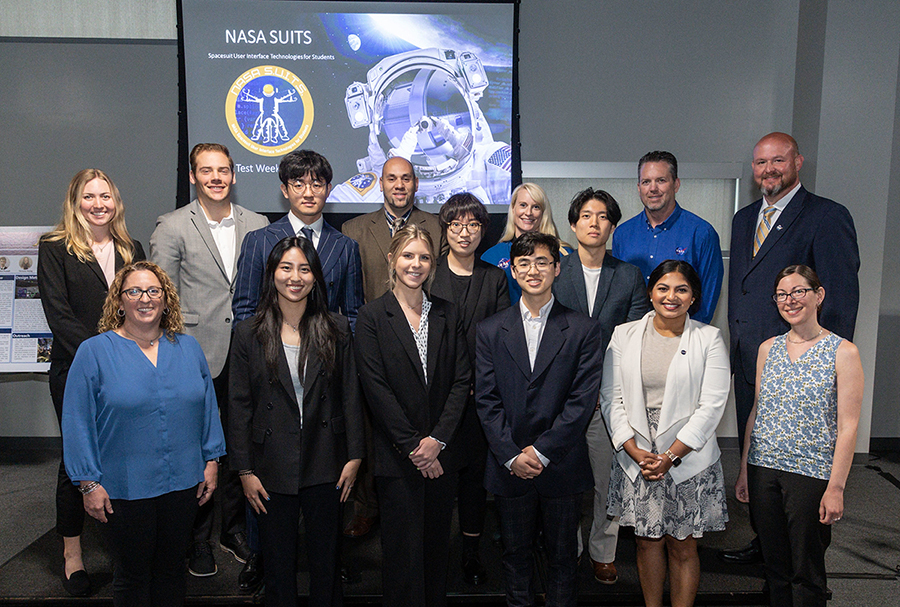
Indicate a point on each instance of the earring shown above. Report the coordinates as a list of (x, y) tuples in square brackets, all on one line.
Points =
[(166, 310), (120, 312)]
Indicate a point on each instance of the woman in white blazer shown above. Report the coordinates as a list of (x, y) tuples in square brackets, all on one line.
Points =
[(665, 383)]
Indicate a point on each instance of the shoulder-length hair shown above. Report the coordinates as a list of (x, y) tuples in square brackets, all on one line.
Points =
[(318, 330), (539, 196), (73, 228), (402, 238), (171, 322)]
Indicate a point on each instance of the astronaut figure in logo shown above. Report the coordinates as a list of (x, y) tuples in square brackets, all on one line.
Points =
[(269, 128)]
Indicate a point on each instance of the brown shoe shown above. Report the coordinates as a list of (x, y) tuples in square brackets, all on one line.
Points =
[(359, 526), (605, 573)]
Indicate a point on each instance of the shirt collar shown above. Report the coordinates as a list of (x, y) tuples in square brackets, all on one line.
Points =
[(668, 223), (225, 223), (297, 224), (390, 218), (542, 313), (781, 204)]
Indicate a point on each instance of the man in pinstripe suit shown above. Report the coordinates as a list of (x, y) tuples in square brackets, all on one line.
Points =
[(306, 182)]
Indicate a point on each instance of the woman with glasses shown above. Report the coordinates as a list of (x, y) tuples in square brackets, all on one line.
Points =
[(142, 434), (665, 383), (296, 422), (479, 290), (529, 211), (76, 263), (412, 360), (800, 440)]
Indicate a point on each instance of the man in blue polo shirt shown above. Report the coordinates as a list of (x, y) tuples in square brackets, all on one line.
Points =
[(666, 231)]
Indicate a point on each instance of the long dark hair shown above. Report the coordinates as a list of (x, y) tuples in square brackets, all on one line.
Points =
[(318, 331)]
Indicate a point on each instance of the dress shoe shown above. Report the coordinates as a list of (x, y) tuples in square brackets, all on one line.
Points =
[(359, 526), (236, 544), (605, 573), (201, 562), (748, 555), (473, 571), (77, 584), (251, 576)]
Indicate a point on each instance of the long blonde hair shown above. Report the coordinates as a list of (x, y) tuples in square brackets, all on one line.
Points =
[(73, 228), (539, 196)]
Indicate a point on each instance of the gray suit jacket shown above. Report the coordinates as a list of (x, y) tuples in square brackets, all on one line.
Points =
[(621, 293), (183, 246)]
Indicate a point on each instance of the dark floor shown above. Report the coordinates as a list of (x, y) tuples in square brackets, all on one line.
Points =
[(863, 560)]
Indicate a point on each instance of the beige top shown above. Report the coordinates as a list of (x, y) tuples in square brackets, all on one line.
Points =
[(657, 353)]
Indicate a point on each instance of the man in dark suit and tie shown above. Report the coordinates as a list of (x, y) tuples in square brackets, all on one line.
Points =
[(611, 292), (788, 225), (305, 182), (197, 246), (538, 367)]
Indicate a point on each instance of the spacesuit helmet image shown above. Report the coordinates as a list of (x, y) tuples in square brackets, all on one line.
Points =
[(422, 105)]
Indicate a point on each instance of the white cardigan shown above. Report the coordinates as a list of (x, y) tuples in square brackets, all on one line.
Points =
[(697, 386)]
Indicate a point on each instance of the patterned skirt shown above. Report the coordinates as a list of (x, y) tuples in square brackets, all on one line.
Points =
[(659, 508)]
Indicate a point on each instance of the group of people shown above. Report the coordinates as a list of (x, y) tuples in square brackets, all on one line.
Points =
[(294, 366)]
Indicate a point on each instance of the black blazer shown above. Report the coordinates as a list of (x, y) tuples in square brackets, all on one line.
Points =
[(72, 294), (264, 433), (548, 407), (621, 292), (811, 230), (406, 408)]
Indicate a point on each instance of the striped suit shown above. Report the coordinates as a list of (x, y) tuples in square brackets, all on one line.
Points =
[(341, 266)]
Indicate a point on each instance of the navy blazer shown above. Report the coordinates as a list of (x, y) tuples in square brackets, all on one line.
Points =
[(405, 404), (812, 231), (341, 266), (548, 407), (621, 292), (264, 433)]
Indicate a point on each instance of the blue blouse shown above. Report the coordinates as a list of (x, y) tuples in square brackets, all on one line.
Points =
[(141, 430)]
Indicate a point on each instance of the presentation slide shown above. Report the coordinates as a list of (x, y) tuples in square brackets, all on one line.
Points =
[(359, 82)]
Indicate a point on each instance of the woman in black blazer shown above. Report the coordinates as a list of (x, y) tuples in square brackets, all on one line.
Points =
[(412, 360), (479, 290), (295, 422), (76, 264)]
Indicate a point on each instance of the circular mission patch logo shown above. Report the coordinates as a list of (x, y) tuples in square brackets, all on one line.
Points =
[(269, 110)]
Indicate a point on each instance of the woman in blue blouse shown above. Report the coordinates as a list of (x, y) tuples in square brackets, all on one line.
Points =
[(529, 211), (800, 440), (142, 434)]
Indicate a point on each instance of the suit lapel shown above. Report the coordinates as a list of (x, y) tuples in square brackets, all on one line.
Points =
[(573, 280), (201, 224), (284, 376), (328, 242), (474, 296), (240, 230), (552, 340), (397, 320), (381, 233), (436, 324), (782, 225), (514, 340), (607, 273)]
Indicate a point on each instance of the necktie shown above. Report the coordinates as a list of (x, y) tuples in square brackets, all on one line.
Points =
[(307, 233), (763, 230), (396, 225)]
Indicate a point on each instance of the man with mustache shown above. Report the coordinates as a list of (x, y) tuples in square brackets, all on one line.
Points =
[(788, 225)]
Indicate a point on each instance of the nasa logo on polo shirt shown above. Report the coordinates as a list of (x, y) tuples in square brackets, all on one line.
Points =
[(269, 110)]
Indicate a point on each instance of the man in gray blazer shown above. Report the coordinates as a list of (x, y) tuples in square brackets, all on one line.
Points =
[(611, 292), (197, 246)]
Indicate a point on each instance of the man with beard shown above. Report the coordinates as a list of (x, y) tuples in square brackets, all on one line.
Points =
[(788, 225)]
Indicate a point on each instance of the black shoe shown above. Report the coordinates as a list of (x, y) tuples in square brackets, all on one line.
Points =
[(77, 584), (748, 555), (201, 562), (349, 575), (251, 576), (236, 544), (473, 571)]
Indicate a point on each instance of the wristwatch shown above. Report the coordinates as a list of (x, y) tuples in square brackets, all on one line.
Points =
[(676, 461)]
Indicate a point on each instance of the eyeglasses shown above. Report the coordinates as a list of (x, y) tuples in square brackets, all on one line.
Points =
[(542, 265), (298, 187), (456, 227), (134, 293), (796, 295)]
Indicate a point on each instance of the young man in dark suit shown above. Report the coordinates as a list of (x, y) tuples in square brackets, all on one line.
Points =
[(611, 292), (538, 367), (788, 225)]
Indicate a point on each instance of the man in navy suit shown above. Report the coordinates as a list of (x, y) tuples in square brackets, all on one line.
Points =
[(611, 292), (305, 182), (538, 367), (788, 225)]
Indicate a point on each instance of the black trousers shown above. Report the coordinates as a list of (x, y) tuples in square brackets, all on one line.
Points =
[(69, 503), (147, 539), (229, 493), (785, 509), (471, 492), (415, 538), (322, 518), (519, 521)]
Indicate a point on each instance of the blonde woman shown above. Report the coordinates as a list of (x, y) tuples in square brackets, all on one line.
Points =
[(529, 211), (76, 263)]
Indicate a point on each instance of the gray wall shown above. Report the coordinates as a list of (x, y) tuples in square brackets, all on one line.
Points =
[(599, 81)]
